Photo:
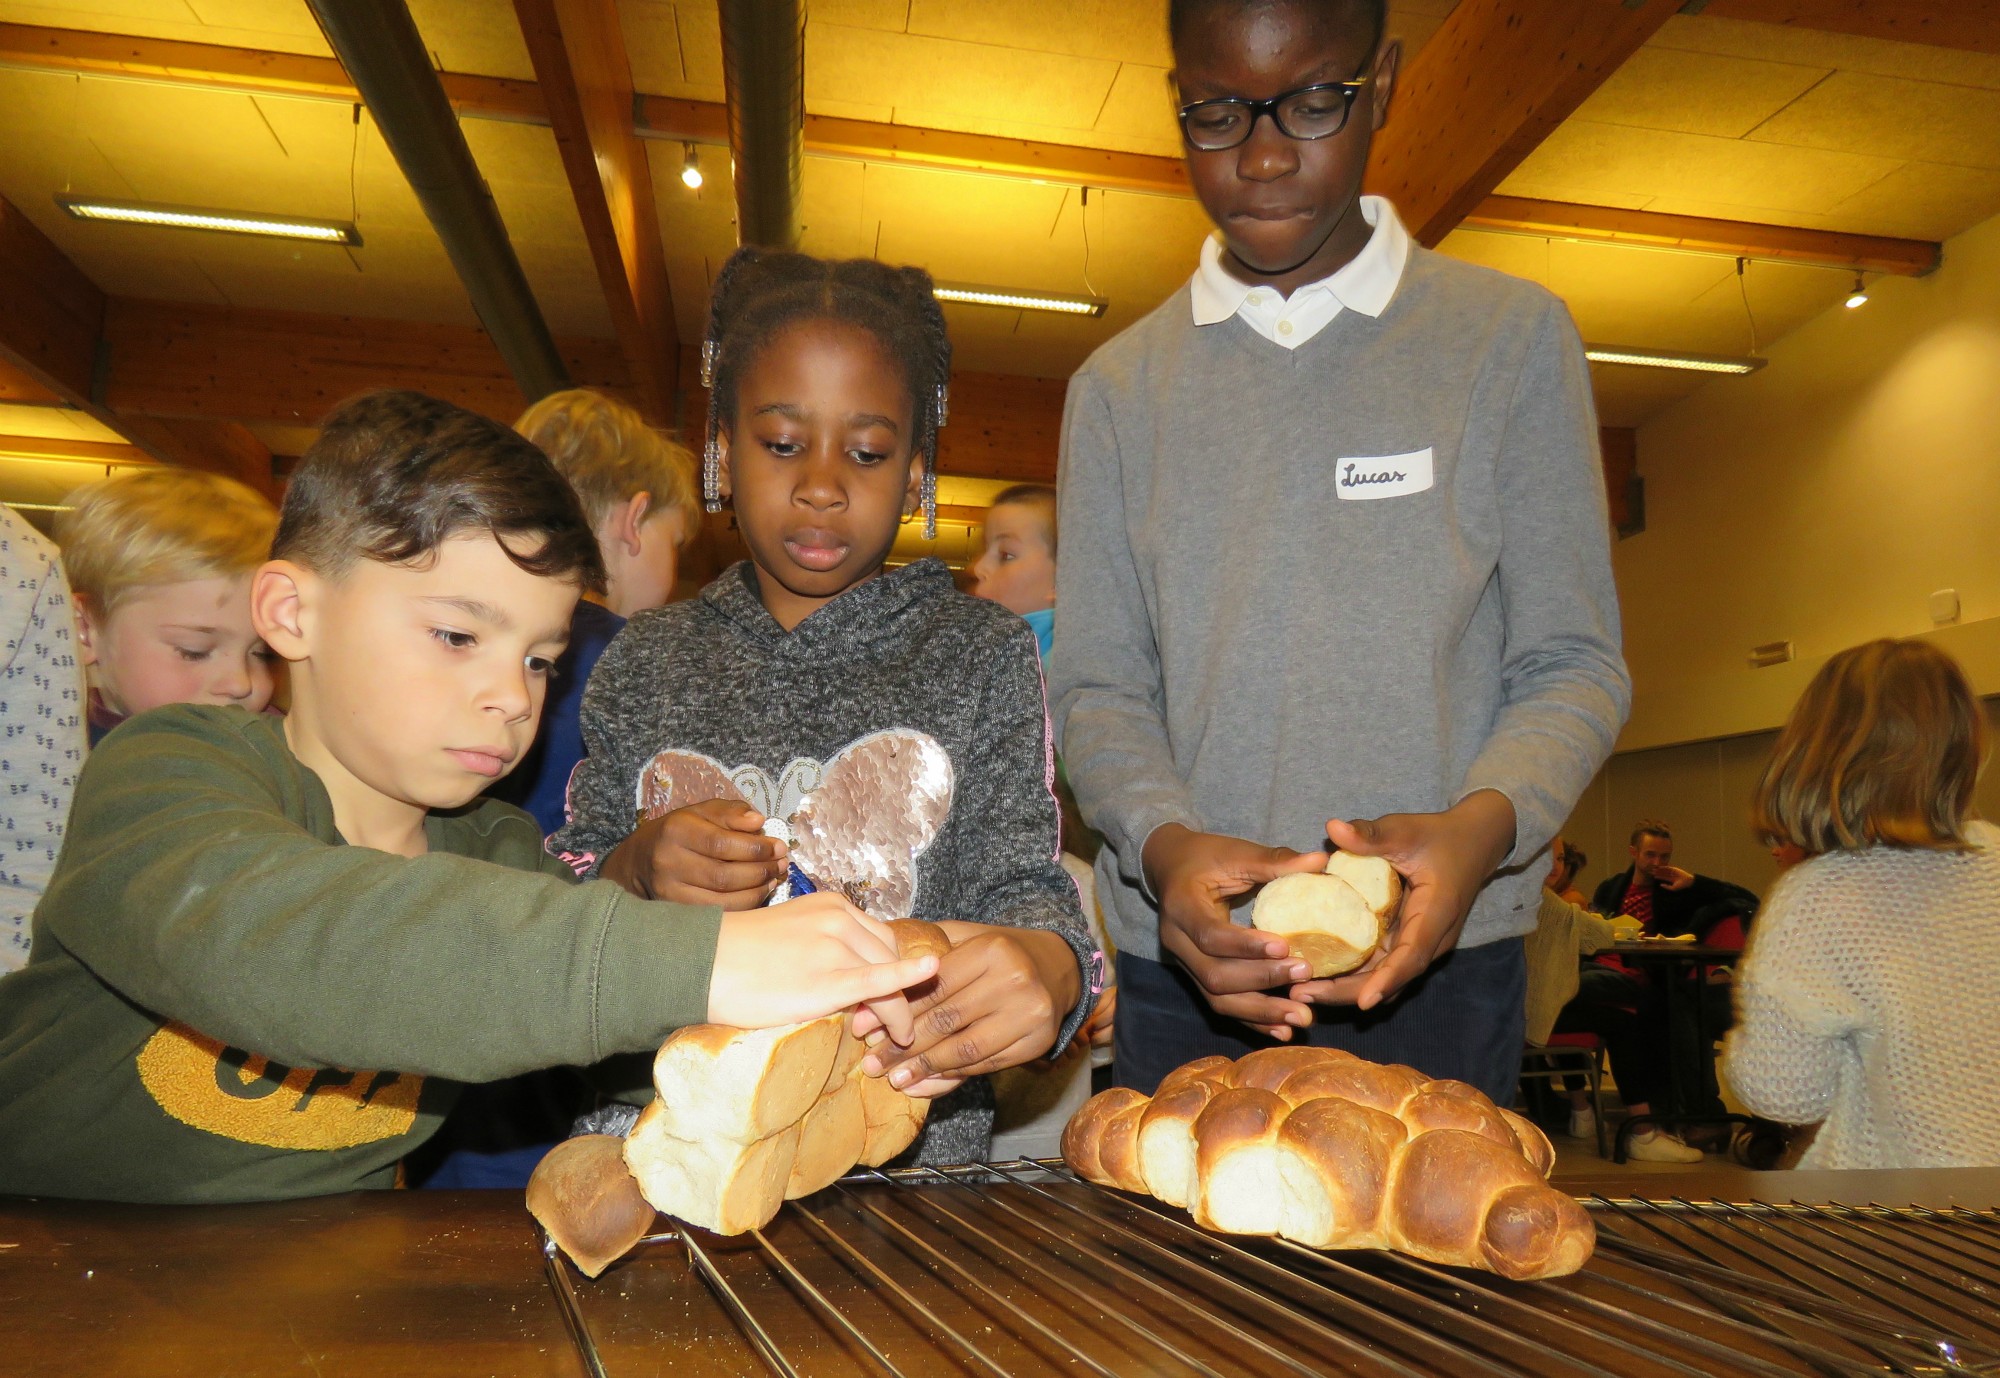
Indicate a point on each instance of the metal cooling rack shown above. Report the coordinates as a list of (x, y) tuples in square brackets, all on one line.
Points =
[(1023, 1268)]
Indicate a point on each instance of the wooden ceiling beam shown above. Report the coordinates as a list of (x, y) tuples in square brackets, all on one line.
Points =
[(85, 451), (178, 359), (18, 389), (1860, 253), (585, 77), (1968, 25), (1487, 89), (668, 117), (249, 70)]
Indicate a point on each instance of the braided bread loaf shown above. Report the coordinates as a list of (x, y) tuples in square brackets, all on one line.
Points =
[(1335, 1152)]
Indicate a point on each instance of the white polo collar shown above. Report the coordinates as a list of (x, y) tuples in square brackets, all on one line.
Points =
[(1367, 283)]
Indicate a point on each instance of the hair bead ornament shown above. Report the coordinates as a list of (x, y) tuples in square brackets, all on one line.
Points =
[(711, 476), (930, 504), (708, 352), (943, 405)]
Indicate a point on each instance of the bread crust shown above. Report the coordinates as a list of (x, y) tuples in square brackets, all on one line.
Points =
[(1336, 1152)]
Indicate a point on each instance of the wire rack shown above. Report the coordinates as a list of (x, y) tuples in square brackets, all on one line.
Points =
[(1023, 1268)]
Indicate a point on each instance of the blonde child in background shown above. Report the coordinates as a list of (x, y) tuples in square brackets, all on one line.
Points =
[(637, 489), (1869, 999), (159, 563), (1017, 569)]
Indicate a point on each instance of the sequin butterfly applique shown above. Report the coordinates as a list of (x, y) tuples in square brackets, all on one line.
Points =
[(856, 824)]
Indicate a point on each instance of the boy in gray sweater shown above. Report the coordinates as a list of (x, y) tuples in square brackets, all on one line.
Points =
[(1335, 548)]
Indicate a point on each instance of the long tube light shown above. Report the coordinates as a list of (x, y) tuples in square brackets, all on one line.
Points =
[(1666, 358), (199, 218), (1019, 301)]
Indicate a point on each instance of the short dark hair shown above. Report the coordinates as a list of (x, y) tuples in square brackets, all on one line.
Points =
[(1373, 13), (759, 293), (1030, 495), (1651, 827), (394, 474)]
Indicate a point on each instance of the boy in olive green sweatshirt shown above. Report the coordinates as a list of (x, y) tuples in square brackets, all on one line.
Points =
[(272, 950)]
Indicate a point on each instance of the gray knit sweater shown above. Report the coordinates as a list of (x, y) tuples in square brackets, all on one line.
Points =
[(1369, 575), (718, 682)]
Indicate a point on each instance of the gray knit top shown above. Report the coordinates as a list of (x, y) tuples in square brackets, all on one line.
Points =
[(905, 652)]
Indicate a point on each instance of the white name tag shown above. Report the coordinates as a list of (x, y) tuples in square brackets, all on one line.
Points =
[(1382, 476)]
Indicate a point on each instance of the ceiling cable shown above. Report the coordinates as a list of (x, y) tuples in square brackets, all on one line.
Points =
[(1083, 212), (1743, 287)]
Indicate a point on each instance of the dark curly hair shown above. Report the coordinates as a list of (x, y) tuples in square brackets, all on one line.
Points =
[(1374, 13), (760, 292), (394, 474)]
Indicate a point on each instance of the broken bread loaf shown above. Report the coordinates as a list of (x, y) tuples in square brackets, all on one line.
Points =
[(745, 1119), (1336, 919)]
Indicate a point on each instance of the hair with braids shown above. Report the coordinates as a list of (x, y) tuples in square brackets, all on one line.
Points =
[(761, 292), (1373, 13)]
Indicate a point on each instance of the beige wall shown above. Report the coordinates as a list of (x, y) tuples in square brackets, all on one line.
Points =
[(1820, 501)]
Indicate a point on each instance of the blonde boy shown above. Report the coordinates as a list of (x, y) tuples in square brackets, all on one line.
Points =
[(159, 563), (637, 489), (636, 485)]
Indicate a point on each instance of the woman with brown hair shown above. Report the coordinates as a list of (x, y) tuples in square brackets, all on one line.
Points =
[(1869, 1000)]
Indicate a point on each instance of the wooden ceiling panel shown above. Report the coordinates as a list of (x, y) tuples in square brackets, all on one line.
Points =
[(468, 36), (1121, 30), (1584, 161), (653, 42), (284, 28), (1697, 93), (1923, 200), (1707, 33), (1892, 117), (1138, 116), (965, 83), (890, 15)]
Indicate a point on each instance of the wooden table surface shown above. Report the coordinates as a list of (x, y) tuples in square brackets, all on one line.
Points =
[(385, 1284)]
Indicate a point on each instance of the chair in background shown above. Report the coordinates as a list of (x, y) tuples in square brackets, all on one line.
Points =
[(1565, 1055)]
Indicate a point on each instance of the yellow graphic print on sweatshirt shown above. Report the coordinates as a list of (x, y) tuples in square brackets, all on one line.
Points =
[(209, 1085)]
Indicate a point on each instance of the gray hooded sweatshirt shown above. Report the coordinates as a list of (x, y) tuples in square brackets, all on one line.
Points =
[(714, 689)]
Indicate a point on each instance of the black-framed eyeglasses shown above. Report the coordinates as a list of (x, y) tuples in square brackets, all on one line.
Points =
[(1311, 112)]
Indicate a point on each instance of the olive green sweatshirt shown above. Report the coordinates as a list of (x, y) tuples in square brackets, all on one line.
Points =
[(225, 1002)]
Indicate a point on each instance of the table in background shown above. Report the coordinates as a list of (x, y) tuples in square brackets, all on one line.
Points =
[(1688, 1077)]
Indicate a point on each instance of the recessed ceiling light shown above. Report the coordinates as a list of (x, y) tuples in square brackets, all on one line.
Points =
[(1019, 301), (199, 218), (1667, 358)]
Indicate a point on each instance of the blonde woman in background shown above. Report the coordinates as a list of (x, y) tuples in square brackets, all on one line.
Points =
[(1869, 998)]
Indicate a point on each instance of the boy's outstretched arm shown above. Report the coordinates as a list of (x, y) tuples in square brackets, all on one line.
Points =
[(191, 894)]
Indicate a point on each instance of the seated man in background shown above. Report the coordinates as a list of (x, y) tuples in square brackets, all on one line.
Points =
[(1667, 901)]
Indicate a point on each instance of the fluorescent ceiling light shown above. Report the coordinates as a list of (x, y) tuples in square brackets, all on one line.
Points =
[(1019, 301), (1667, 358), (197, 218)]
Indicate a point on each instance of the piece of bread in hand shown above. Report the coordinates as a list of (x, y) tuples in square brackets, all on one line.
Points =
[(745, 1084), (1336, 919), (582, 1194)]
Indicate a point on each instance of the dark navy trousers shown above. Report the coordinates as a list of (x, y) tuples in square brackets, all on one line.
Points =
[(1465, 1019)]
